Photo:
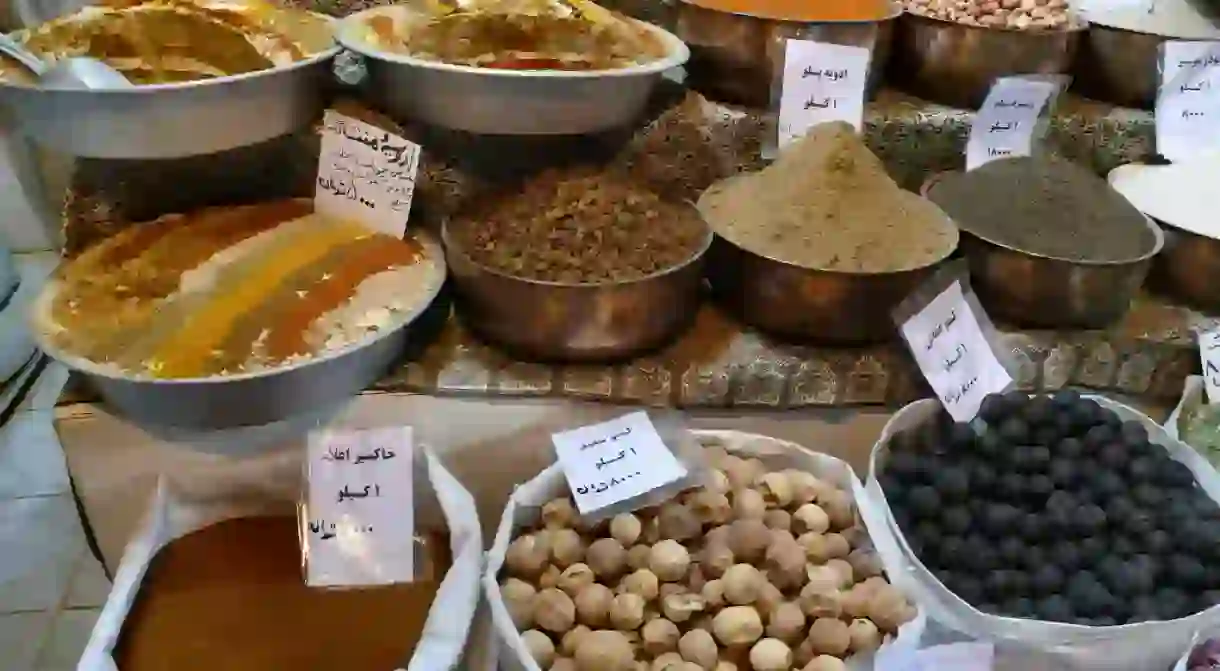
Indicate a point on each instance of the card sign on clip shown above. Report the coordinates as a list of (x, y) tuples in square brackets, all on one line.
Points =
[(1188, 99), (360, 508), (1005, 124), (365, 174), (1209, 355), (953, 353), (615, 461), (822, 82)]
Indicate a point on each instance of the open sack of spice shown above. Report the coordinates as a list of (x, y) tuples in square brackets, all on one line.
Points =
[(217, 583), (1069, 527), (768, 566)]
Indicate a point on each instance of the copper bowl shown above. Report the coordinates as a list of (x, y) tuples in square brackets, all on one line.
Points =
[(1188, 269), (1119, 66), (955, 64), (736, 58), (574, 323), (795, 303), (1033, 290)]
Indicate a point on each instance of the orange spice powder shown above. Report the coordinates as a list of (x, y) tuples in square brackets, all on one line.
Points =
[(804, 10)]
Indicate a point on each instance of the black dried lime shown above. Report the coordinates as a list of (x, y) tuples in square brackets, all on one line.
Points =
[(956, 520), (1098, 436), (952, 482), (1054, 608), (1014, 431), (924, 501), (993, 408), (1048, 579), (1070, 448), (1114, 456)]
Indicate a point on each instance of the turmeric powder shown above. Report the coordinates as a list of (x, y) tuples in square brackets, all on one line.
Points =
[(804, 10)]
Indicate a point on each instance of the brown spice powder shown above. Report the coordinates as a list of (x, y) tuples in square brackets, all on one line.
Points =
[(827, 203), (231, 596)]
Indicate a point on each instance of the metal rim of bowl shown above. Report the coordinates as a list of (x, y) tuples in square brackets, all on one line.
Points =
[(677, 54), (896, 10), (434, 252), (1078, 26), (142, 89), (453, 246), (1157, 234)]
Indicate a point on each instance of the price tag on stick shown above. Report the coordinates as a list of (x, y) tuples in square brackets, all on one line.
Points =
[(822, 82), (1188, 99), (1209, 354), (1005, 124), (360, 508), (614, 461), (951, 349), (365, 174)]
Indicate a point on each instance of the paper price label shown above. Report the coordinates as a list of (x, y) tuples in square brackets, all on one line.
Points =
[(822, 82), (365, 174), (1005, 124), (360, 508), (1209, 355), (953, 353), (615, 461), (1188, 100)]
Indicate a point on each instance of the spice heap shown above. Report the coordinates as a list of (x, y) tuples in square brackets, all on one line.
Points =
[(828, 204), (1058, 510), (761, 570), (582, 227), (231, 596), (1009, 14), (1045, 206), (800, 10)]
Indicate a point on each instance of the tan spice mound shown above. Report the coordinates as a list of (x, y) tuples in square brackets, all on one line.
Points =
[(827, 203)]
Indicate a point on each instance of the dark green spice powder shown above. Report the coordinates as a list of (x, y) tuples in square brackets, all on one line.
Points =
[(1047, 206)]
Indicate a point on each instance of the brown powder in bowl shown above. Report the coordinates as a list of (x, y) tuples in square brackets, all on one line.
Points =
[(827, 203), (231, 596)]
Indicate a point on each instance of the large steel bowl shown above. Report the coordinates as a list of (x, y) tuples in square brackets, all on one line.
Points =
[(955, 64), (1119, 66), (1188, 269), (574, 323), (504, 102), (181, 119), (800, 304), (249, 398), (736, 57)]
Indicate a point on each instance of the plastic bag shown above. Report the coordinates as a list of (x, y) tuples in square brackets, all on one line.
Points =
[(1130, 647), (172, 516), (1002, 126), (524, 505)]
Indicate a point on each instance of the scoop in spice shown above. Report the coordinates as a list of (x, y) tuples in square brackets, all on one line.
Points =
[(1046, 206), (827, 203)]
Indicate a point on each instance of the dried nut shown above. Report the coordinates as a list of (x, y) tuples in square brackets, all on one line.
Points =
[(571, 640), (771, 654), (627, 612), (575, 578), (855, 602), (643, 583), (717, 535), (737, 625), (593, 605), (563, 664), (669, 661), (626, 529), (637, 557), (865, 563), (776, 490), (677, 522), (847, 576), (810, 518), (748, 504), (605, 650), (725, 666), (695, 580), (681, 607), (837, 546), (748, 539), (865, 637), (550, 577), (803, 654), (711, 507), (742, 583), (718, 482), (818, 603), (527, 557), (567, 548), (825, 663), (805, 486), (519, 600), (787, 623), (554, 611), (607, 557), (539, 646), (839, 506), (857, 536), (698, 646), (659, 636), (829, 636), (778, 519), (888, 608), (713, 594), (822, 578), (559, 514), (817, 549), (716, 558), (669, 560), (785, 563), (768, 598), (739, 472)]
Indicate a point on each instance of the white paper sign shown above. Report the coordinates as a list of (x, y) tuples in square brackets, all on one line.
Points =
[(1188, 100), (952, 351), (614, 461), (360, 508), (365, 174), (822, 82), (1005, 124), (1209, 355)]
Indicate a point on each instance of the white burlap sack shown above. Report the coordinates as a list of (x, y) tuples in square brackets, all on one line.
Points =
[(1192, 397)]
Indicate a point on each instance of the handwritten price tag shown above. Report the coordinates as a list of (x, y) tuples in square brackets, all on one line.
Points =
[(953, 353), (615, 461), (1005, 124), (360, 508), (1209, 355), (1188, 100), (365, 174), (822, 82)]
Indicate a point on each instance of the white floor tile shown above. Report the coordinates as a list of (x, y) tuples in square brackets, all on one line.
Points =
[(89, 587), (69, 634), (47, 390), (21, 637), (31, 459), (42, 540)]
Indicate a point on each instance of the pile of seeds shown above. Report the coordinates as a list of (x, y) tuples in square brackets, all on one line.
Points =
[(581, 227), (1046, 206)]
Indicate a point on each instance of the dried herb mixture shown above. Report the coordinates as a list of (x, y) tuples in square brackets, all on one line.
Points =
[(581, 227)]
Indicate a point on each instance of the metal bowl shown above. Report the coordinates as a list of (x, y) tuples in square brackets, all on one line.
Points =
[(955, 64), (1188, 269), (250, 398), (181, 119), (736, 57), (809, 305), (504, 102), (574, 323), (1033, 290), (1119, 66)]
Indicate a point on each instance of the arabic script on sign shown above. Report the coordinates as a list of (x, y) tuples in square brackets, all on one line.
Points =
[(953, 353), (615, 461), (1209, 356), (1005, 125), (365, 174), (1188, 99), (360, 503), (822, 82)]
